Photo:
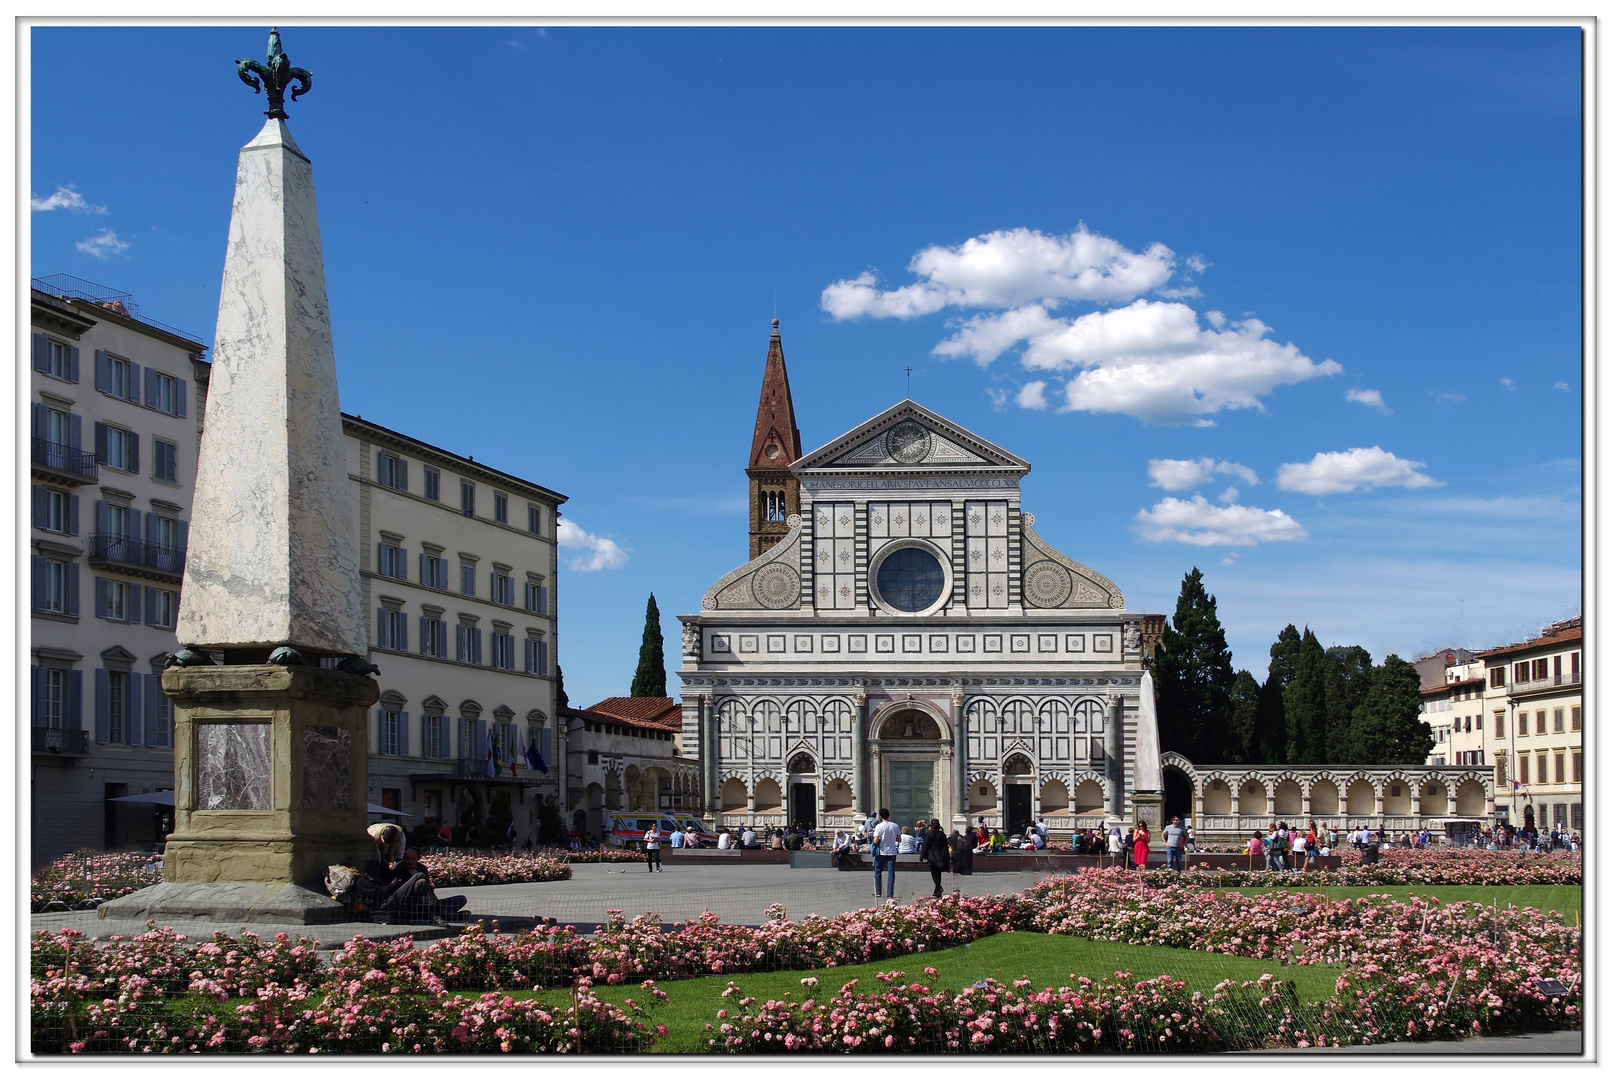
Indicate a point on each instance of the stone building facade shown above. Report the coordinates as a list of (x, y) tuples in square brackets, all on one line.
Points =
[(912, 642), (1534, 706), (626, 754), (116, 408), (458, 570)]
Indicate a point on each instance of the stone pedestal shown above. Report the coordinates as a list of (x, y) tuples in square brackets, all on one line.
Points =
[(270, 774), (1147, 807)]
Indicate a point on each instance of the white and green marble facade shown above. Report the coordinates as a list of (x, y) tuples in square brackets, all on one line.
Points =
[(1023, 673)]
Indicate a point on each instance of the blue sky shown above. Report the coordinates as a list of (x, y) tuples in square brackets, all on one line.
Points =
[(1326, 279)]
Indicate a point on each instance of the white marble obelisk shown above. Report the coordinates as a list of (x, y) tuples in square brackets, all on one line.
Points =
[(1147, 742), (272, 558)]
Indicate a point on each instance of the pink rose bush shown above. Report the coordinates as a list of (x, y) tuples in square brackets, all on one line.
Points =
[(234, 1000), (1415, 970), (84, 878), (1439, 866), (457, 870)]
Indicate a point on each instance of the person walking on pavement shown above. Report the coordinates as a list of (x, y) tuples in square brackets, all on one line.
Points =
[(1173, 835), (1142, 845), (1114, 845), (935, 853), (654, 855), (884, 851)]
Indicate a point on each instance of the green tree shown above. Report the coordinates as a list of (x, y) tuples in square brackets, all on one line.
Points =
[(651, 677), (1241, 723), (1347, 680), (1304, 699), (499, 817), (1387, 727), (1270, 748), (1193, 676), (549, 820)]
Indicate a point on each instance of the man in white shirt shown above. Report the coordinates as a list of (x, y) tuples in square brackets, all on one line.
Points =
[(749, 838), (884, 851)]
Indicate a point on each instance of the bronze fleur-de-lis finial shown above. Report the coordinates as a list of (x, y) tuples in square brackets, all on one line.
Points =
[(277, 71)]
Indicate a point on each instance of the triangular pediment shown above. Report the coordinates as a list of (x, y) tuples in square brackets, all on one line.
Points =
[(910, 438)]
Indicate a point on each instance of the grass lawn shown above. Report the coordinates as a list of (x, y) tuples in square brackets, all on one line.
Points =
[(1565, 899), (1048, 960)]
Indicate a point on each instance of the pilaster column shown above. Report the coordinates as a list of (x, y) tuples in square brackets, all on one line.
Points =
[(861, 798), (960, 763), (709, 729), (1114, 755)]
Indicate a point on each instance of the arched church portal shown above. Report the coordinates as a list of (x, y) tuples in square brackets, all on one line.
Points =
[(910, 742)]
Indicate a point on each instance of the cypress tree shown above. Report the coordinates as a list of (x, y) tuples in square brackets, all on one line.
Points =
[(1193, 676), (1241, 725), (651, 677), (1346, 683), (1387, 725), (1270, 748), (1305, 705)]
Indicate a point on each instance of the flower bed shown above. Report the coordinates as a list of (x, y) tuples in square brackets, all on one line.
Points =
[(1396, 867), (85, 878), (459, 869), (1414, 971), (605, 855)]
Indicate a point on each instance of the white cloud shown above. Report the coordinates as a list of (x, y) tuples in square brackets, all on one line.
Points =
[(1151, 360), (103, 246), (1508, 384), (65, 198), (1371, 398), (1448, 397), (1229, 494), (1031, 396), (603, 554), (1175, 474), (1358, 469), (1197, 263), (1562, 386), (998, 397), (1197, 521), (1006, 268)]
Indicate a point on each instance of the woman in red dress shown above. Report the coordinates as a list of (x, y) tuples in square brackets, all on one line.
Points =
[(1142, 845)]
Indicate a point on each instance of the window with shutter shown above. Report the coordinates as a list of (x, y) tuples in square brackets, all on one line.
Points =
[(135, 709), (429, 482), (533, 519), (501, 508), (468, 498), (103, 705)]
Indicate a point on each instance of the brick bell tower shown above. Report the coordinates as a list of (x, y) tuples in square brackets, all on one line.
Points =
[(771, 488)]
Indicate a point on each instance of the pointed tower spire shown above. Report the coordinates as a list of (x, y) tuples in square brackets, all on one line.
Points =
[(776, 444)]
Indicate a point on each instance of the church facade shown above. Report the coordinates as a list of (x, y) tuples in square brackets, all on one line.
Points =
[(908, 640)]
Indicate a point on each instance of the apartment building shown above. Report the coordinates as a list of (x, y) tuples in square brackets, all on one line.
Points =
[(1451, 704), (458, 562), (116, 402), (1534, 706)]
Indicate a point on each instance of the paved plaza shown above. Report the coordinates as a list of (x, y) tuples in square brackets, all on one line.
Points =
[(736, 894)]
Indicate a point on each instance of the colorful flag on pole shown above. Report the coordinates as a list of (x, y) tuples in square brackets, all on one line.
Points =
[(488, 758), (534, 760)]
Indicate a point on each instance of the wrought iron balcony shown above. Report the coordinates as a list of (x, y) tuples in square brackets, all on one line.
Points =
[(67, 462), (69, 742), (134, 554)]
